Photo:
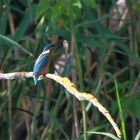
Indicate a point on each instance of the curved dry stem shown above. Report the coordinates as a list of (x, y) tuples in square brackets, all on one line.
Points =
[(64, 81)]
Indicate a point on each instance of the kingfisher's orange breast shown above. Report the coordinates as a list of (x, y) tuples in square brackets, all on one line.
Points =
[(44, 69)]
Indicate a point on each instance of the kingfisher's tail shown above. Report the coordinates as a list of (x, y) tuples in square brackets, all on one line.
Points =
[(35, 80)]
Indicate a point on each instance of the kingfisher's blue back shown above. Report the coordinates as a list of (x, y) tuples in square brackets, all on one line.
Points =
[(42, 63)]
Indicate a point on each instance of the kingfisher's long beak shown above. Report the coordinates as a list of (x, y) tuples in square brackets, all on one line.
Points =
[(63, 43), (55, 45), (59, 43)]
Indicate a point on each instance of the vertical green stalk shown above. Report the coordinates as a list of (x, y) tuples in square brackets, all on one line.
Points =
[(34, 119), (74, 80), (120, 111), (80, 75), (84, 120), (9, 110), (49, 128)]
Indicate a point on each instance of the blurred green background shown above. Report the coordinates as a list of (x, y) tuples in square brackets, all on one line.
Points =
[(104, 44)]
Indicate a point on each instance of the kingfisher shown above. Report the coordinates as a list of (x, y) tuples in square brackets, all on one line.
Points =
[(43, 60)]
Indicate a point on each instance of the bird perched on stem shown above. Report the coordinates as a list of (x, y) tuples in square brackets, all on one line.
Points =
[(43, 61)]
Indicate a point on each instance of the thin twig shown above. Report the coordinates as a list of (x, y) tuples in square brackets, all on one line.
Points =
[(16, 75)]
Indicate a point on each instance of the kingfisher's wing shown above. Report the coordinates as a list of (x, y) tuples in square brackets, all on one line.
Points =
[(40, 63)]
